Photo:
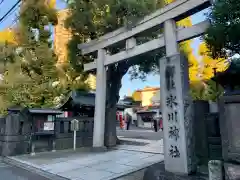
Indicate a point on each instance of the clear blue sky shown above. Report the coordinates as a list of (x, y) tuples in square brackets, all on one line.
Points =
[(128, 85)]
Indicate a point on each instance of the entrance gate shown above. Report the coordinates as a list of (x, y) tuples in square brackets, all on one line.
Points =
[(175, 100)]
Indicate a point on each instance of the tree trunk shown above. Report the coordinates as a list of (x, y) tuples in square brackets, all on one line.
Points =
[(114, 78)]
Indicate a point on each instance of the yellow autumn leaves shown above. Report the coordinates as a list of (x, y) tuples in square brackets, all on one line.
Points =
[(219, 64), (51, 3), (202, 68), (7, 35)]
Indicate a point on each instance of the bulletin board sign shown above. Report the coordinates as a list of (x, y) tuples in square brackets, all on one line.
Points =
[(48, 126)]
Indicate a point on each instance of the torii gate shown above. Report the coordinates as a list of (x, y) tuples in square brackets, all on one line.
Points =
[(175, 102)]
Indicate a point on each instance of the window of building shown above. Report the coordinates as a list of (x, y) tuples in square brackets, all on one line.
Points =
[(50, 118)]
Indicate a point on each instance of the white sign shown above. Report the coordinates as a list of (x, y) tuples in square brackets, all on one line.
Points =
[(74, 125), (74, 128), (48, 126)]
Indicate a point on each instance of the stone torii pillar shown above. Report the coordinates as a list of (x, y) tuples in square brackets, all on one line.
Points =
[(176, 106), (100, 101)]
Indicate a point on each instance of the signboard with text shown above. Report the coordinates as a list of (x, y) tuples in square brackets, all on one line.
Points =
[(48, 126)]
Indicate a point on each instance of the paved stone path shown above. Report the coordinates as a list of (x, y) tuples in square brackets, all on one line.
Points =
[(85, 165), (142, 145), (8, 172), (140, 133)]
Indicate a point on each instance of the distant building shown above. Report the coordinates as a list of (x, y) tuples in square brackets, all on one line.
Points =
[(137, 95), (156, 98), (148, 96), (127, 100), (79, 103)]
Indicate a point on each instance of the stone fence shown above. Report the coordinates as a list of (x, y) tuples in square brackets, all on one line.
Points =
[(17, 136), (207, 133), (64, 135)]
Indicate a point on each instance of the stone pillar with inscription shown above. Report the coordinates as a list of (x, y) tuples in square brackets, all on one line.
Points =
[(176, 107)]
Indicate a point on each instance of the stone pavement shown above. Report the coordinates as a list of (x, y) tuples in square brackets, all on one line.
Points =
[(14, 173), (86, 165), (136, 129), (142, 145), (140, 133)]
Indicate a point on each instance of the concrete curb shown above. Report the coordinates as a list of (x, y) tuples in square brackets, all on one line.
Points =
[(32, 169), (131, 173), (141, 151), (99, 149)]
